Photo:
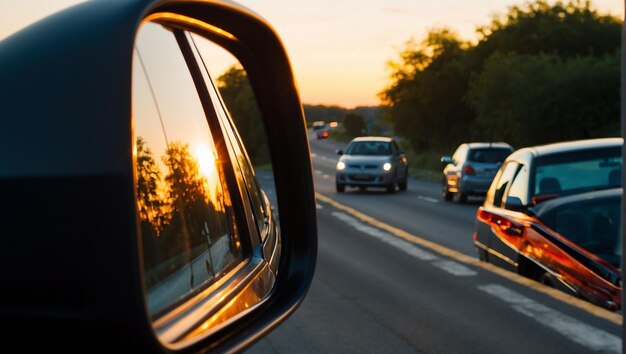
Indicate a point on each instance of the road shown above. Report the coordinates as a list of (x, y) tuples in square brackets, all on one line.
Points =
[(396, 273)]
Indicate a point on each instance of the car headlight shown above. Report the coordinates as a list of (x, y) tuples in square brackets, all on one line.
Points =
[(387, 166), (341, 165)]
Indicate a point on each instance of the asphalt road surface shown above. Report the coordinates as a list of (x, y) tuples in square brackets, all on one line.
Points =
[(397, 273)]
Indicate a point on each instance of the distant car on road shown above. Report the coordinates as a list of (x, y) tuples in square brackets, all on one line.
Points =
[(322, 134), (553, 213), (471, 169), (319, 125), (372, 162)]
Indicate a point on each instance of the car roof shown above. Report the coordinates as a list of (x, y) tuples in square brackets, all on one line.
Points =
[(481, 145), (372, 138), (576, 145), (548, 205)]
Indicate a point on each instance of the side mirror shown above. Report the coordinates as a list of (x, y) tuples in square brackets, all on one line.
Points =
[(339, 152), (180, 257), (446, 160), (513, 203)]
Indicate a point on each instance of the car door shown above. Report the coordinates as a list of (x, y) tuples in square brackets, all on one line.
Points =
[(491, 231), (450, 171)]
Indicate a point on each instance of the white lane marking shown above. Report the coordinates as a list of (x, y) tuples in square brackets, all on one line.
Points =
[(428, 199), (325, 176), (455, 268), (318, 172), (318, 206), (579, 332), (386, 237)]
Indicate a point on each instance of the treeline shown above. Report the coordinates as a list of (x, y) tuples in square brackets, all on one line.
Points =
[(334, 113), (539, 74)]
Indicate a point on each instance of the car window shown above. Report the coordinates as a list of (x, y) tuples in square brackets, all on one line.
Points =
[(508, 174), (394, 148), (188, 229), (460, 154), (488, 155), (375, 148), (520, 185), (204, 50), (594, 224), (573, 173)]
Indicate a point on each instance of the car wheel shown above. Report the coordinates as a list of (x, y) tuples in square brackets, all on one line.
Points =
[(462, 197), (340, 187), (447, 196), (403, 185)]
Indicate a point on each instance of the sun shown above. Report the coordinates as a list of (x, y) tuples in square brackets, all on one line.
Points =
[(206, 161)]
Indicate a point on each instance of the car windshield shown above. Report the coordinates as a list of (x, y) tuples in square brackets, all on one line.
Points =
[(376, 148), (594, 224), (573, 173), (488, 155)]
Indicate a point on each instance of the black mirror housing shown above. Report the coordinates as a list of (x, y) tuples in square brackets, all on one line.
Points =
[(339, 152), (68, 169)]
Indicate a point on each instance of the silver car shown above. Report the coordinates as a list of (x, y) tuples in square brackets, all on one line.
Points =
[(372, 162), (472, 168)]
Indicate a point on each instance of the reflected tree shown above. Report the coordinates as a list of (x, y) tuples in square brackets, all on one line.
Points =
[(151, 207)]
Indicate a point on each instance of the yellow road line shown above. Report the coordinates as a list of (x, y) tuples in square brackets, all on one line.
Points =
[(613, 317)]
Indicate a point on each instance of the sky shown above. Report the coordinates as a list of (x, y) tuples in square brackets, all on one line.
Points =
[(339, 49)]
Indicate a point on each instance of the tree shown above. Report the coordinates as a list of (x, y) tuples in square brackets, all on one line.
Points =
[(239, 98), (354, 124), (426, 98), (540, 73), (535, 99), (152, 208)]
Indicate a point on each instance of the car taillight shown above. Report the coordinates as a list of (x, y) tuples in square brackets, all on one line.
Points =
[(469, 170), (503, 223)]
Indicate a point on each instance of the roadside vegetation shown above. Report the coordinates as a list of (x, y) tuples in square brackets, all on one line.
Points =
[(538, 74)]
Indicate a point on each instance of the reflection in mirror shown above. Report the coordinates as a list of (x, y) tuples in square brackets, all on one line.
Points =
[(205, 188), (188, 230), (236, 103)]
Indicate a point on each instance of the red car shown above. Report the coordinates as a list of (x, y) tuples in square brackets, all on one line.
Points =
[(553, 213)]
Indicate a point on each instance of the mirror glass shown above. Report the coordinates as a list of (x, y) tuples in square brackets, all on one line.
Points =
[(187, 224)]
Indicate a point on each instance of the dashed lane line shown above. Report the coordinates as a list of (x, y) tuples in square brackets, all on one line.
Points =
[(451, 267), (612, 317), (588, 336), (428, 199)]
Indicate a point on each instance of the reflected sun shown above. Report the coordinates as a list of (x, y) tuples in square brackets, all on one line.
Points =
[(206, 161)]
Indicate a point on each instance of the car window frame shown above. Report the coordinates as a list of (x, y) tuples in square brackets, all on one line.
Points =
[(234, 141), (495, 183), (526, 198)]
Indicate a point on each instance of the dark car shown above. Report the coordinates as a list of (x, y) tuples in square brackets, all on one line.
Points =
[(133, 219), (372, 162), (553, 213), (471, 169), (322, 134)]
